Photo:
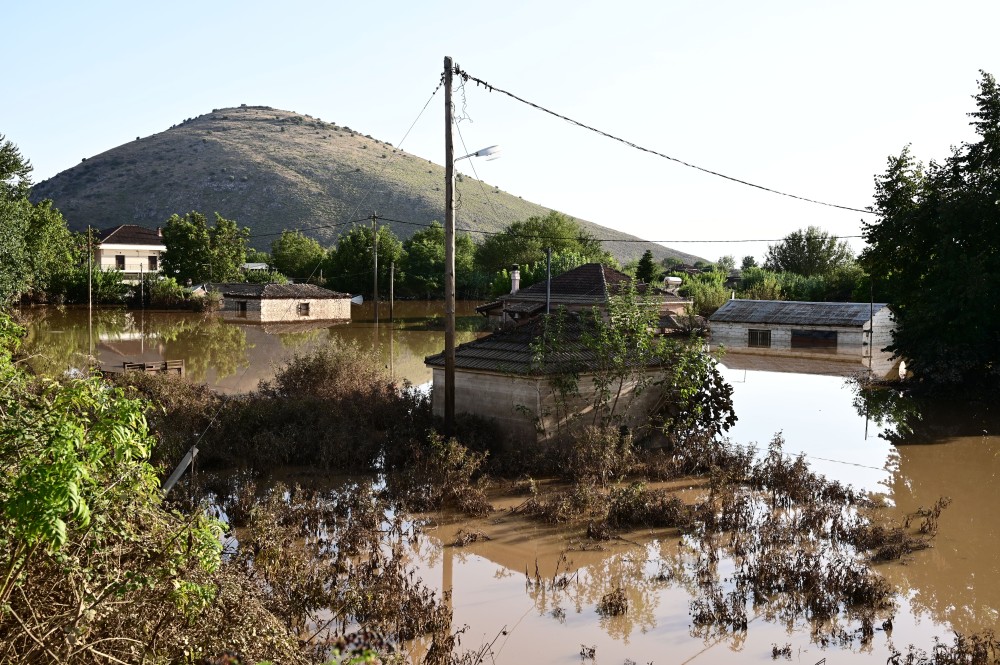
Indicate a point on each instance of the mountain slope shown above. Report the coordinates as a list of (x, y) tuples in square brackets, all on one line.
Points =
[(272, 170)]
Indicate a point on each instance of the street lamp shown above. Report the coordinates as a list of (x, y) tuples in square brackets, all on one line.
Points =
[(491, 152)]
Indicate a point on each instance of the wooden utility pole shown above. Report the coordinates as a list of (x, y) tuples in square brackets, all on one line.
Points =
[(449, 255), (90, 291), (392, 289), (375, 270)]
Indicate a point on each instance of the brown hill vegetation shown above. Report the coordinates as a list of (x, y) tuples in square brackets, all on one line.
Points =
[(272, 170)]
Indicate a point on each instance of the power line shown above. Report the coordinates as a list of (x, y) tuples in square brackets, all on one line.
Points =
[(491, 88)]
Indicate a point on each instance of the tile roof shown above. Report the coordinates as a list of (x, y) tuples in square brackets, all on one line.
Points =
[(277, 291), (514, 351), (130, 234), (788, 312), (591, 281)]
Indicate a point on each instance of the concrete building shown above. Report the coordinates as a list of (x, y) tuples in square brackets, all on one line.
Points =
[(501, 377), (129, 248), (843, 331), (276, 303)]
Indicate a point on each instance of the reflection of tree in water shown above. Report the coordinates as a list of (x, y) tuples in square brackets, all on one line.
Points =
[(56, 340), (207, 343), (911, 419)]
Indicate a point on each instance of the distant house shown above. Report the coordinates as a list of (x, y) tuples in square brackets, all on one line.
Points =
[(501, 377), (276, 303), (129, 248), (579, 289), (850, 331)]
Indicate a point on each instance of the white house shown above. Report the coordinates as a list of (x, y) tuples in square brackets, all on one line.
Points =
[(850, 331), (131, 249)]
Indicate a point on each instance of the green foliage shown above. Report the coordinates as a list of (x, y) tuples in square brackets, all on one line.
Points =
[(264, 277), (524, 243), (706, 291), (349, 266), (748, 262), (201, 253), (647, 270), (423, 263), (295, 255), (726, 264), (759, 284), (935, 249), (808, 252)]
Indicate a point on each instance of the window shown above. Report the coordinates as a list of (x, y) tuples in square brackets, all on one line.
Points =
[(814, 339), (303, 309), (120, 261), (759, 339), (241, 309), (153, 263)]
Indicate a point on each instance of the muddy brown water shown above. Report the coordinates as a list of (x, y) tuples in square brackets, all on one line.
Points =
[(955, 585)]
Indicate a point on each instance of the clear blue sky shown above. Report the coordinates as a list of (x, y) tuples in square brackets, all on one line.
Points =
[(804, 97)]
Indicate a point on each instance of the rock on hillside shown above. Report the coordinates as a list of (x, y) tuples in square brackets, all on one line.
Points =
[(272, 170)]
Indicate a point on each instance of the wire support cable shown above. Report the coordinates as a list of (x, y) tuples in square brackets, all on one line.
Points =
[(492, 88)]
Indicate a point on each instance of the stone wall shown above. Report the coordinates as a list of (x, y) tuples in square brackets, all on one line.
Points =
[(287, 309)]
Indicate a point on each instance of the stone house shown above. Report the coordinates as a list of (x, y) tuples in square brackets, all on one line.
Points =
[(277, 303), (845, 331), (134, 250), (501, 377)]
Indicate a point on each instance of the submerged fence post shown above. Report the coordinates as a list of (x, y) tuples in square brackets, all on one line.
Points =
[(179, 471)]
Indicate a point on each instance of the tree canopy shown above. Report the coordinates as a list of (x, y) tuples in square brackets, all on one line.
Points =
[(423, 261), (525, 243), (348, 267), (808, 252), (936, 250), (201, 253), (295, 255)]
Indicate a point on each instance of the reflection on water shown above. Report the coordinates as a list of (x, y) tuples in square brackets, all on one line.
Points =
[(236, 357)]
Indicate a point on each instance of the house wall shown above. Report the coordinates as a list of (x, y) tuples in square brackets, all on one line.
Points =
[(136, 258), (286, 309), (883, 363), (735, 337), (514, 403)]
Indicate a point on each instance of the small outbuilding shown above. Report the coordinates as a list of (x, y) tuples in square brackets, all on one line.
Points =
[(278, 303), (849, 331)]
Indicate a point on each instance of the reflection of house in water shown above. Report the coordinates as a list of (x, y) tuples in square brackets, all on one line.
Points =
[(840, 331), (274, 303)]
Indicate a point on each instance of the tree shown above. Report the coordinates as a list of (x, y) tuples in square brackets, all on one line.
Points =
[(647, 271), (423, 261), (295, 255), (934, 248), (808, 252), (348, 266), (525, 243), (199, 253), (748, 262), (726, 263)]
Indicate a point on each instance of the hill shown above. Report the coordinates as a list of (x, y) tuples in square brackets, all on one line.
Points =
[(272, 170)]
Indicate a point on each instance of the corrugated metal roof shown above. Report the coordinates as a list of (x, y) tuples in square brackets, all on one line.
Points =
[(789, 312), (277, 291)]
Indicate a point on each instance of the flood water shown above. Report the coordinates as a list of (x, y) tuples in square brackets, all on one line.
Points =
[(955, 585), (232, 357)]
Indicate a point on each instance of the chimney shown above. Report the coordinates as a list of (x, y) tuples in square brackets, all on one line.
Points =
[(159, 232), (515, 278)]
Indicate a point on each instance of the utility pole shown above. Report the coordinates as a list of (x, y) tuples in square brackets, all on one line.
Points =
[(449, 256), (548, 281), (392, 289), (90, 291), (375, 270)]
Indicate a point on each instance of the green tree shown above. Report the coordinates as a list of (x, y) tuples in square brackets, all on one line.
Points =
[(525, 243), (748, 262), (726, 263), (647, 271), (810, 251), (200, 253), (15, 216), (423, 261), (935, 248), (295, 255), (348, 267)]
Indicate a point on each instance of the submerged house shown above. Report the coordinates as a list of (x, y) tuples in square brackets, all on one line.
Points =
[(277, 303), (131, 249), (579, 289), (505, 377), (849, 331)]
